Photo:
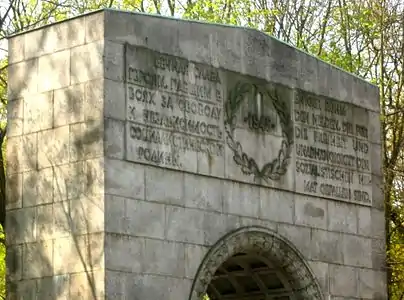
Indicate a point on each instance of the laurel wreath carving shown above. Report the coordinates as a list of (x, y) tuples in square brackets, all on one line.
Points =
[(276, 168)]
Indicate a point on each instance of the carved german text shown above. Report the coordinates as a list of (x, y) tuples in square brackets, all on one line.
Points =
[(332, 149)]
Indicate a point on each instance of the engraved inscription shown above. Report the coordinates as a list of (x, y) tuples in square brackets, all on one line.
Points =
[(332, 149), (197, 118), (257, 117), (174, 109), (260, 123)]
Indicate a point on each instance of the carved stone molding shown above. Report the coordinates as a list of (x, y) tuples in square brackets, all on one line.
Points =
[(268, 244)]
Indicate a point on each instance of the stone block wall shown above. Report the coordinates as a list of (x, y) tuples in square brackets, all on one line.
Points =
[(165, 221), (55, 163), (81, 204)]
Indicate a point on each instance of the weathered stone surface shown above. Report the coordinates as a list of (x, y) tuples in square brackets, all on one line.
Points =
[(94, 177), (114, 100), (121, 249), (18, 45), (344, 298), (378, 195), (310, 212), (357, 251), (38, 112), (379, 254), (14, 262), (375, 128), (378, 226), (15, 117), (115, 214), (79, 216), (113, 61), (321, 271), (203, 192), (165, 187), (22, 152), (164, 258), (365, 94), (87, 285), (342, 217), (87, 62), (94, 31), (70, 105), (147, 285), (194, 254), (327, 246), (44, 222), (371, 283), (69, 182), (58, 64), (23, 77), (22, 226), (299, 236), (145, 219), (251, 222), (37, 260), (216, 225), (14, 187), (276, 206), (116, 171), (143, 152), (94, 100), (54, 38), (86, 141), (184, 225), (71, 254), (114, 141), (53, 287), (343, 281), (241, 199), (376, 154), (25, 289), (54, 147), (115, 283), (364, 221)]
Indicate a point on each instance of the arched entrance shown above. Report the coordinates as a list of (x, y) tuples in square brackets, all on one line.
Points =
[(254, 263)]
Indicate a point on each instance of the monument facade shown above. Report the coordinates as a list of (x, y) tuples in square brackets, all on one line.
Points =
[(155, 158)]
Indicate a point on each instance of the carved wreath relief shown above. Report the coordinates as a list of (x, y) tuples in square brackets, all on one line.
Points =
[(262, 121), (182, 114), (195, 117)]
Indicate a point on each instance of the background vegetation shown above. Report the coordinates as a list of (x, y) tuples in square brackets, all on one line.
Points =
[(365, 37)]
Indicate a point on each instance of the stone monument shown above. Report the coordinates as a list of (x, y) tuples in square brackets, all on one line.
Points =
[(154, 158)]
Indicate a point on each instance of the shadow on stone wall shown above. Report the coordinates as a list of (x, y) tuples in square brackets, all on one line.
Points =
[(54, 177)]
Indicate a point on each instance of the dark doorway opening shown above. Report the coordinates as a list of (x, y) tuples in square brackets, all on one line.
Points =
[(248, 276), (254, 263)]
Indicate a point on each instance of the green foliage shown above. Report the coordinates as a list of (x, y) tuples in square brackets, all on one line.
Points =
[(3, 92), (2, 265), (362, 37), (396, 256), (221, 11)]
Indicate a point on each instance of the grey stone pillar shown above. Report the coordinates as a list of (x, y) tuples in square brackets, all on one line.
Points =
[(55, 162), (136, 143)]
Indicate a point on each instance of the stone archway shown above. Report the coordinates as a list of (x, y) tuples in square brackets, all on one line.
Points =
[(254, 263)]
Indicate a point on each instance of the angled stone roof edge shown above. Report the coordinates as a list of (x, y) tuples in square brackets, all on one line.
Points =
[(193, 21)]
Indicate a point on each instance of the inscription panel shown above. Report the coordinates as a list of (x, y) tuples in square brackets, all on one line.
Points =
[(174, 110), (332, 149), (197, 118)]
